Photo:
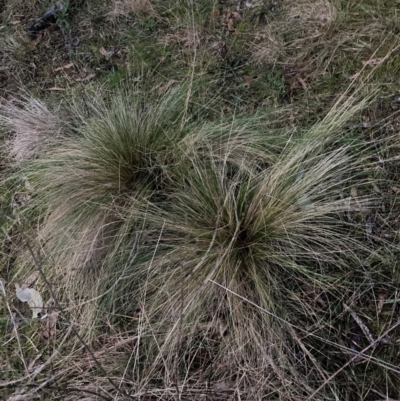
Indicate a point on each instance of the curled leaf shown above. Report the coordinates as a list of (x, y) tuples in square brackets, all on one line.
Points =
[(31, 296)]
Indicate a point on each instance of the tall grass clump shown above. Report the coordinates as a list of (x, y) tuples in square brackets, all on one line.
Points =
[(232, 258), (223, 249), (117, 157)]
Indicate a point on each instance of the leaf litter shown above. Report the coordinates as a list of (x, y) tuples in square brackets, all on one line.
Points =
[(32, 297)]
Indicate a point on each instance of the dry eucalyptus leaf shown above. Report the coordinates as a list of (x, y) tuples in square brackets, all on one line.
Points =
[(223, 386), (106, 53), (253, 3), (31, 296), (49, 329), (64, 67), (372, 61), (382, 297), (236, 16), (163, 89), (28, 185)]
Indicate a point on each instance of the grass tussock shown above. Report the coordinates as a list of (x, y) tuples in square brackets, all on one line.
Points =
[(219, 229), (122, 156), (203, 240)]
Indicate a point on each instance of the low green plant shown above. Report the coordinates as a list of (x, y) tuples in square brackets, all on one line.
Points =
[(61, 14), (275, 80)]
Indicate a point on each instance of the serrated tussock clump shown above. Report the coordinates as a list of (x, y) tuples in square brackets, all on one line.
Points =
[(202, 238)]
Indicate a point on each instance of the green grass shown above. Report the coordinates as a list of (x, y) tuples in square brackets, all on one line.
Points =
[(214, 203)]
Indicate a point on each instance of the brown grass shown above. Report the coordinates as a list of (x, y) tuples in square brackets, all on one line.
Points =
[(308, 38), (33, 126), (138, 8)]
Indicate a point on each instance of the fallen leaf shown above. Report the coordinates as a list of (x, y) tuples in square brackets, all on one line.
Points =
[(216, 13), (367, 124), (2, 288), (64, 67), (106, 53), (385, 341), (31, 296), (231, 27), (22, 396), (373, 61), (236, 16), (28, 185), (164, 88), (382, 297), (39, 37), (249, 79), (302, 83), (90, 76), (223, 386), (253, 3), (49, 329)]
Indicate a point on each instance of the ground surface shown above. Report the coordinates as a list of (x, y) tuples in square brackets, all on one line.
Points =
[(294, 57)]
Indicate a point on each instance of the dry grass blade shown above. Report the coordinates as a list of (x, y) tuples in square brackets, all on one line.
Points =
[(311, 397), (34, 126), (362, 325)]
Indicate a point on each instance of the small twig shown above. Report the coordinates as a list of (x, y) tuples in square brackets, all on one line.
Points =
[(33, 375), (330, 378), (393, 368), (179, 342), (384, 396), (3, 291), (74, 331)]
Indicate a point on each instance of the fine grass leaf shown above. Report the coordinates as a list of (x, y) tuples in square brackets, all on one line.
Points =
[(361, 324), (2, 289)]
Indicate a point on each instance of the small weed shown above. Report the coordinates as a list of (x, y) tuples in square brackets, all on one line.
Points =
[(61, 14), (276, 80)]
